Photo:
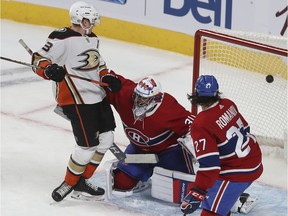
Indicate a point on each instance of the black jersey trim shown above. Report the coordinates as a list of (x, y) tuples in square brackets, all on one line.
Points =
[(66, 32)]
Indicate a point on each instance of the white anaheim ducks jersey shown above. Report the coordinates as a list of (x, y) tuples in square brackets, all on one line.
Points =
[(79, 55)]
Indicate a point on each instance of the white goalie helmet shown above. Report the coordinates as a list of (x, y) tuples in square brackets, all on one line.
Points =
[(147, 95), (80, 10)]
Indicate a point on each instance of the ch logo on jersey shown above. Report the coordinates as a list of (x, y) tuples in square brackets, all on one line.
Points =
[(142, 140), (136, 136), (90, 61)]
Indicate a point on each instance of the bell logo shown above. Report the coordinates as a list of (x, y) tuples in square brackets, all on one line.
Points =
[(199, 8)]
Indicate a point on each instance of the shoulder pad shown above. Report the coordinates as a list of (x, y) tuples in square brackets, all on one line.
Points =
[(93, 35), (63, 33)]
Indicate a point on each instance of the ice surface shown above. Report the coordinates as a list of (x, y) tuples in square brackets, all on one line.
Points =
[(36, 143)]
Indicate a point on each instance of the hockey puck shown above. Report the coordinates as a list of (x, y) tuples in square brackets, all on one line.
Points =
[(269, 78)]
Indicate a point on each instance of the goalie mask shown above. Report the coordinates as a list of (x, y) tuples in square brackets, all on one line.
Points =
[(81, 10), (147, 97)]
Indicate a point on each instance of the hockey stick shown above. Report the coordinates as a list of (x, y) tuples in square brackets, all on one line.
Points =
[(21, 41), (19, 62), (88, 80), (25, 46), (133, 158), (38, 67), (116, 151)]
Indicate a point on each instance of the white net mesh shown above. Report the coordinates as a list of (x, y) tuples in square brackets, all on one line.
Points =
[(241, 73)]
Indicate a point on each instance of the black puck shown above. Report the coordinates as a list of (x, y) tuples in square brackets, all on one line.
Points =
[(269, 78)]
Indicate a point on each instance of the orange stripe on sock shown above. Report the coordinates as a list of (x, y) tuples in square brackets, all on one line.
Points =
[(70, 178), (89, 171)]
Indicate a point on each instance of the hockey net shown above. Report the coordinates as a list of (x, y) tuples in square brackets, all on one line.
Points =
[(241, 62)]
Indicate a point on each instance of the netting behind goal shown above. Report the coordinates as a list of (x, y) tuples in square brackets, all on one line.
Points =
[(241, 63)]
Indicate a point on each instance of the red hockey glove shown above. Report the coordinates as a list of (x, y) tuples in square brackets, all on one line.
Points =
[(192, 200)]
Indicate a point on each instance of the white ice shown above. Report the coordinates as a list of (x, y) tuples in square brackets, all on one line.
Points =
[(36, 143)]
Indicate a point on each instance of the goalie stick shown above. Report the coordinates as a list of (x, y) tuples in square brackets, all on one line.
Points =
[(116, 151), (133, 158)]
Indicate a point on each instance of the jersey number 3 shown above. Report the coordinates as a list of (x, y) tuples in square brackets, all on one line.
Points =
[(47, 46)]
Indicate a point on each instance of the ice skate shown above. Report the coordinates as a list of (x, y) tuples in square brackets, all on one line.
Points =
[(61, 192), (84, 190)]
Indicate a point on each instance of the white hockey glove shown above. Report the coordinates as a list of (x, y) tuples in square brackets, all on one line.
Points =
[(187, 143)]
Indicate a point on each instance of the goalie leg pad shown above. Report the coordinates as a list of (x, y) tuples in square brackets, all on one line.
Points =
[(171, 186), (134, 187), (123, 181), (109, 167)]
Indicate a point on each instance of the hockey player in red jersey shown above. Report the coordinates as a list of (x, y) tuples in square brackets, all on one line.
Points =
[(153, 121), (75, 50), (228, 154)]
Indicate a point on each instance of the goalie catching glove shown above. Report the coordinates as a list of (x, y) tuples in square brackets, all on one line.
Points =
[(111, 79), (192, 200), (55, 72)]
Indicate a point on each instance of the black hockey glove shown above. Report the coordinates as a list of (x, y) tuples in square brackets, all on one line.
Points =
[(55, 72), (113, 81)]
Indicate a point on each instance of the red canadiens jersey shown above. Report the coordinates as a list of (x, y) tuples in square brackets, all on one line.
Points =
[(224, 146), (156, 132)]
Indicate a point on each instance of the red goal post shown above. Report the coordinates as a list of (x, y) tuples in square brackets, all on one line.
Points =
[(241, 62)]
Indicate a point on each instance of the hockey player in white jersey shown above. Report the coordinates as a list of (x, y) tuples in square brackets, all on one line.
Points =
[(75, 50)]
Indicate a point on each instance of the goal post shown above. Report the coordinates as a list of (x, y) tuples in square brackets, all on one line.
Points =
[(251, 69)]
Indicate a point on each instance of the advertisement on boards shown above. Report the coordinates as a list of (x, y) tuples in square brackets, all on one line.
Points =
[(186, 16), (115, 1), (264, 16)]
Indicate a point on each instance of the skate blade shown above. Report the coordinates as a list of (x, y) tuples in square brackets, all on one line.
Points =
[(248, 205), (87, 197), (141, 186)]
